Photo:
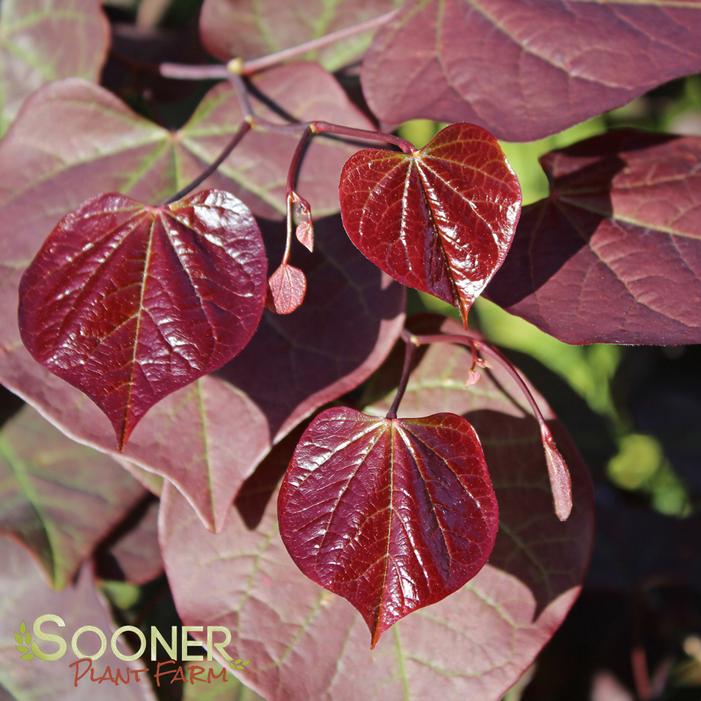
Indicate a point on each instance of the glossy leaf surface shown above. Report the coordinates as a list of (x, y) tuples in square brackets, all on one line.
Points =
[(58, 498), (474, 644), (391, 514), (129, 302), (347, 325), (620, 233), (441, 219), (526, 69), (251, 28), (45, 40), (24, 595)]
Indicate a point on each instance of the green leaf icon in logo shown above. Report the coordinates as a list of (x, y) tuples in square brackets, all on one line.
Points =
[(24, 643)]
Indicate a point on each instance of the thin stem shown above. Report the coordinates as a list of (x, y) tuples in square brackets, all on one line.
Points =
[(259, 64), (237, 66), (475, 341), (243, 129), (409, 351), (184, 71), (362, 134), (290, 226), (296, 160)]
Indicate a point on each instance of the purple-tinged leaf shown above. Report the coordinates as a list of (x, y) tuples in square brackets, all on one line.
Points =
[(24, 595), (45, 40), (132, 553), (526, 69), (559, 475), (227, 422), (440, 219), (287, 287), (58, 498), (129, 302), (391, 514), (613, 255), (251, 28), (309, 644)]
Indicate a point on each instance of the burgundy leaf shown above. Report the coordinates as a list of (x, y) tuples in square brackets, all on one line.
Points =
[(24, 595), (226, 423), (526, 69), (251, 28), (129, 302), (441, 219), (614, 254), (391, 514), (45, 40), (475, 644), (287, 287), (58, 498)]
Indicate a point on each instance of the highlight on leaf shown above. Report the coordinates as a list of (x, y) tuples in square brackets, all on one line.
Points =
[(391, 514), (129, 302), (440, 219)]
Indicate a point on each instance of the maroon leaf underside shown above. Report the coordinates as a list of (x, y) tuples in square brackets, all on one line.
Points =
[(58, 498), (614, 254), (525, 69), (129, 303), (440, 220), (45, 40), (226, 423), (474, 644), (391, 514), (24, 595), (251, 28)]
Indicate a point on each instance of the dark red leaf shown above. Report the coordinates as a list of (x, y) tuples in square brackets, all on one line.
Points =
[(287, 287), (58, 498), (45, 41), (614, 254), (526, 69), (391, 514), (305, 643), (251, 28), (440, 219), (129, 302)]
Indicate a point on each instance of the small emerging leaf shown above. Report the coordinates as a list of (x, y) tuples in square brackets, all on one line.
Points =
[(559, 475), (129, 302), (440, 219), (286, 289), (305, 226), (391, 514)]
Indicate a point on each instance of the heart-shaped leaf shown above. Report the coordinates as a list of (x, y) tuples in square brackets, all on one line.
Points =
[(129, 302), (440, 219), (45, 41), (251, 28), (287, 287), (620, 231), (58, 498), (392, 514), (526, 69)]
